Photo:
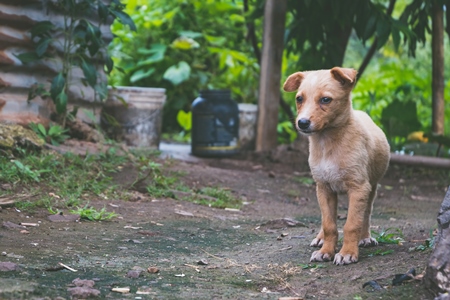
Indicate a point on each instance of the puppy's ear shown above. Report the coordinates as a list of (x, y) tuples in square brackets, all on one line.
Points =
[(293, 82), (346, 76)]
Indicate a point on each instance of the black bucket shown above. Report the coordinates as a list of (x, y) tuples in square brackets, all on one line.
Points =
[(215, 124)]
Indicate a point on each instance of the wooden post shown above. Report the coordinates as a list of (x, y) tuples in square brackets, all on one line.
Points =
[(269, 83), (437, 46)]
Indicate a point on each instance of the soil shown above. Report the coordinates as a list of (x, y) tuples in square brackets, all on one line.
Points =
[(197, 252)]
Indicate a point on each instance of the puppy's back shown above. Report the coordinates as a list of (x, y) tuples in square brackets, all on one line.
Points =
[(378, 146)]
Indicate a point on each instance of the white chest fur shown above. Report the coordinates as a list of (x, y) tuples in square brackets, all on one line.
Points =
[(328, 171)]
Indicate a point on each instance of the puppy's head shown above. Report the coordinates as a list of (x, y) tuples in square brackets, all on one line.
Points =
[(323, 98)]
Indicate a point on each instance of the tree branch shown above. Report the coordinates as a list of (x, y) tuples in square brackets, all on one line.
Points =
[(374, 46), (251, 35)]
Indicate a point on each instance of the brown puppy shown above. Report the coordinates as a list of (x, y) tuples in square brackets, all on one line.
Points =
[(347, 153)]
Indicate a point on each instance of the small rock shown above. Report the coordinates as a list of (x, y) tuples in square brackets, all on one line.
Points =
[(11, 225), (134, 274), (202, 262), (271, 174), (83, 292), (153, 270), (83, 282), (8, 266)]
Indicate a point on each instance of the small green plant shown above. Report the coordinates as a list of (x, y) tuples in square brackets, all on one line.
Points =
[(426, 245), (82, 46), (54, 135), (286, 132), (380, 252), (25, 172), (311, 266), (215, 197), (305, 180), (389, 236), (91, 214)]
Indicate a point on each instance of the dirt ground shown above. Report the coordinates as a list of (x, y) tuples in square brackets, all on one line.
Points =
[(200, 252)]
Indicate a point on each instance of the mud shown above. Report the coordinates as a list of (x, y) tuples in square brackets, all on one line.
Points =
[(221, 254)]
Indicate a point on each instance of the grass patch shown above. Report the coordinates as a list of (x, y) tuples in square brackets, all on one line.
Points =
[(91, 214), (380, 252), (215, 197), (389, 236), (56, 181)]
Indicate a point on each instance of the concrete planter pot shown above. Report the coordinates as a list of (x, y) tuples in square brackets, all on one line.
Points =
[(134, 115)]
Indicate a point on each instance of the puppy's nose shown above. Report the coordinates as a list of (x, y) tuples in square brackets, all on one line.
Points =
[(303, 124)]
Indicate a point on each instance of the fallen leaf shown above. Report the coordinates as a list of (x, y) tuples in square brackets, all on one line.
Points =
[(123, 290), (184, 213), (153, 270)]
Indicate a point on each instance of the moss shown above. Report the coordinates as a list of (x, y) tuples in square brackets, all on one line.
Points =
[(12, 136)]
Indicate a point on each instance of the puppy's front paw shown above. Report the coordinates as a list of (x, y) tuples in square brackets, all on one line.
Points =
[(345, 259), (320, 256), (368, 242), (317, 242)]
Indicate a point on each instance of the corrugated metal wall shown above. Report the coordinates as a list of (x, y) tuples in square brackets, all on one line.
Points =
[(16, 18)]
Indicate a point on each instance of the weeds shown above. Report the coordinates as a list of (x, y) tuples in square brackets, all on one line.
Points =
[(311, 266), (380, 252), (54, 135), (426, 245), (215, 197), (305, 180), (91, 214), (389, 236), (59, 181)]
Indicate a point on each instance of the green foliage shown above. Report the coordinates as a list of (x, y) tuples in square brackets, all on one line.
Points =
[(185, 120), (311, 266), (186, 46), (42, 173), (322, 41), (380, 252), (217, 197), (399, 119), (54, 135), (389, 236), (92, 214), (82, 46), (286, 132)]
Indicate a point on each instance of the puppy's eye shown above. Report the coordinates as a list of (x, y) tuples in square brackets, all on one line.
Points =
[(325, 100), (299, 99)]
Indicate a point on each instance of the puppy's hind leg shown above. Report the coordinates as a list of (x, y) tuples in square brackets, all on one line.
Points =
[(366, 239)]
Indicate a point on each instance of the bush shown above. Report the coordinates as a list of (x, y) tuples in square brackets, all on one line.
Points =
[(185, 46)]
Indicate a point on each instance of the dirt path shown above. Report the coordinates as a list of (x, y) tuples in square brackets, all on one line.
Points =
[(207, 253)]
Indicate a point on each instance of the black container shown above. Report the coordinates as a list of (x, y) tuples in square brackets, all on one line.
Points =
[(215, 124)]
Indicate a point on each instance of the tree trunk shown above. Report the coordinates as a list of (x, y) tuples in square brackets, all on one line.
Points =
[(437, 277), (438, 68), (269, 84)]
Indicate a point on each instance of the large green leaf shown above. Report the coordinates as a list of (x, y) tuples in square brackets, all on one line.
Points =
[(41, 29), (123, 18), (57, 86), (90, 73), (178, 73), (185, 119), (42, 46), (61, 103), (28, 57), (141, 74)]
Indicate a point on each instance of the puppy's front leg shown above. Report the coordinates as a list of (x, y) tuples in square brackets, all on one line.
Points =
[(328, 233), (357, 207)]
